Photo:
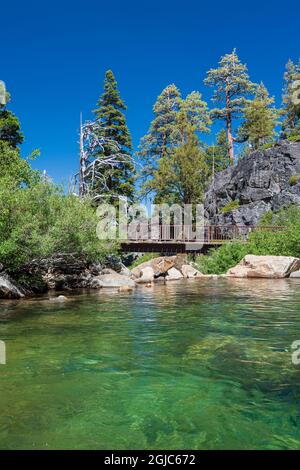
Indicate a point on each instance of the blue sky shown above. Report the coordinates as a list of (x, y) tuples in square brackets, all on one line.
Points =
[(54, 56)]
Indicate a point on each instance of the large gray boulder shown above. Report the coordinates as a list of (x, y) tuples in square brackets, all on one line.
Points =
[(112, 280), (260, 182), (8, 290), (273, 267)]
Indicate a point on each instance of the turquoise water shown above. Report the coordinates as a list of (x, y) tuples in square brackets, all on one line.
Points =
[(191, 365)]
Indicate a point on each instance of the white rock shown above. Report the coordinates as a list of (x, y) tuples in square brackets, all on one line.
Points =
[(146, 275), (295, 274), (173, 275), (112, 280), (188, 271), (8, 290), (273, 267)]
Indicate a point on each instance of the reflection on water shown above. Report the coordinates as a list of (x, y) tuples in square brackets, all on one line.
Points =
[(202, 364)]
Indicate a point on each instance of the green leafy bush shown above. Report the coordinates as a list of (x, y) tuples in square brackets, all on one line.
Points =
[(294, 138), (40, 220), (294, 179), (263, 241), (231, 206), (219, 260)]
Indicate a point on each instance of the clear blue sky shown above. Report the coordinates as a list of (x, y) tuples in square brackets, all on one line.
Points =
[(54, 55)]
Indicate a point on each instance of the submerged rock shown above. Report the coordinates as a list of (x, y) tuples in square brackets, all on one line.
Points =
[(274, 267)]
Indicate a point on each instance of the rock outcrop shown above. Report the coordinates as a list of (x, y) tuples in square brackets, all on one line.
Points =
[(164, 268), (259, 183), (8, 290), (272, 267)]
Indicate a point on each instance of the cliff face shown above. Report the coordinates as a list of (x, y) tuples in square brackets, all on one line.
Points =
[(259, 183)]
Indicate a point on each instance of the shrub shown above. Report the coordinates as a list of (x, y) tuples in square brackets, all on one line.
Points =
[(294, 179), (41, 220), (231, 206), (285, 242), (294, 138)]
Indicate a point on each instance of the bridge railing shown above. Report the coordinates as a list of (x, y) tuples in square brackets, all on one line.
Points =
[(186, 233)]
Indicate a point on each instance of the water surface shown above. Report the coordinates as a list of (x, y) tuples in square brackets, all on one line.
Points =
[(190, 365)]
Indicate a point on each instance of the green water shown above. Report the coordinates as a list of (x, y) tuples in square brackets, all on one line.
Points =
[(191, 365)]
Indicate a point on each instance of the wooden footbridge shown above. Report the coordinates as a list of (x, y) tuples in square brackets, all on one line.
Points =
[(172, 239)]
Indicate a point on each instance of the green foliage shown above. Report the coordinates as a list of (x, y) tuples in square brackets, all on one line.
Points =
[(218, 261), (110, 111), (294, 179), (231, 87), (10, 129), (260, 119), (263, 241), (294, 138), (290, 106), (168, 131), (181, 177), (40, 220), (217, 155), (231, 206)]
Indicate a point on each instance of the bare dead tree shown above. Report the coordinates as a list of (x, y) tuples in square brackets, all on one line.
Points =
[(97, 154)]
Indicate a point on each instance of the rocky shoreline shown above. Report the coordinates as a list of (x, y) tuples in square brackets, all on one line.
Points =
[(66, 273)]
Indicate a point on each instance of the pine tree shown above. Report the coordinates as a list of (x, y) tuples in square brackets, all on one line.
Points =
[(10, 129), (260, 119), (110, 111), (217, 155), (181, 177), (165, 133), (232, 86), (290, 105)]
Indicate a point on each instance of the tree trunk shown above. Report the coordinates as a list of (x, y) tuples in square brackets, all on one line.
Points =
[(229, 130)]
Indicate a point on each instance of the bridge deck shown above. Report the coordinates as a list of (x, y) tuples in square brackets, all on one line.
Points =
[(175, 239)]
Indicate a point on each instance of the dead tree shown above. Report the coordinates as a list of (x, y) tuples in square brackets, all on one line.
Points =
[(97, 154)]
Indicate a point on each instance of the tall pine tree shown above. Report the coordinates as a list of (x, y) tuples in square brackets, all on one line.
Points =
[(231, 86), (260, 119), (290, 105), (166, 132), (110, 111)]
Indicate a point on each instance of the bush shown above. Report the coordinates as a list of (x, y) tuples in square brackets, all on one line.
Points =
[(219, 260), (294, 138), (41, 220), (294, 179), (231, 206), (285, 242)]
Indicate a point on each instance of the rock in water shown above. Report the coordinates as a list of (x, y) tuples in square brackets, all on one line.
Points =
[(146, 275), (112, 280), (295, 274), (273, 267), (259, 183), (173, 275), (189, 272), (8, 290)]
